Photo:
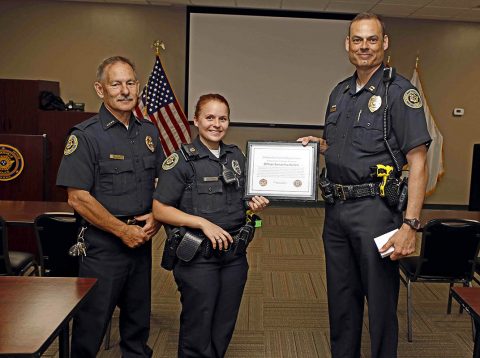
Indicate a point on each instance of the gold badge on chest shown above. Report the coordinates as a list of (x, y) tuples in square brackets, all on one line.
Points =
[(374, 103)]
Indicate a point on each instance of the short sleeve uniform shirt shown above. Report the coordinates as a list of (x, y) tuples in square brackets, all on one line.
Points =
[(116, 165)]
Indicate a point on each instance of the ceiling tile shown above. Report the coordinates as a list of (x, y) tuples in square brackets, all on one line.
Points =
[(394, 10), (445, 12), (133, 2), (261, 4), (349, 7), (214, 2), (417, 3), (169, 2), (463, 4), (305, 5), (372, 2), (100, 1), (468, 15)]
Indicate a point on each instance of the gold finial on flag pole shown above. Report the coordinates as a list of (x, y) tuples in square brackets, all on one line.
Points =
[(157, 44), (416, 62), (388, 61)]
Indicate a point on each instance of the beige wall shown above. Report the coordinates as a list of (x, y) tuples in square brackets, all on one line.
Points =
[(65, 42)]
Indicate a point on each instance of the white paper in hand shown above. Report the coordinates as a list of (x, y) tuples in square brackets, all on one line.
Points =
[(382, 240)]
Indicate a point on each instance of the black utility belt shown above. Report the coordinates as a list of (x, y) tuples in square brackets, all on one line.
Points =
[(193, 243), (184, 245), (348, 192)]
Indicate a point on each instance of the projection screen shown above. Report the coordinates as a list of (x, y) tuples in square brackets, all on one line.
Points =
[(275, 68)]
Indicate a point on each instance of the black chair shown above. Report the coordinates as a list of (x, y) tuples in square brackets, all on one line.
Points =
[(14, 263), (56, 233), (448, 252)]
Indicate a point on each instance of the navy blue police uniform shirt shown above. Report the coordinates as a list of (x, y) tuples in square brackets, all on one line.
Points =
[(196, 186), (116, 165), (354, 126)]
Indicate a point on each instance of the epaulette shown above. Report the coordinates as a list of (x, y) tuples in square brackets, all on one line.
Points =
[(83, 125), (402, 82), (143, 120), (189, 151), (348, 79)]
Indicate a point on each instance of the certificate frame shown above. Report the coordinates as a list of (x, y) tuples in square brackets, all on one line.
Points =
[(282, 170)]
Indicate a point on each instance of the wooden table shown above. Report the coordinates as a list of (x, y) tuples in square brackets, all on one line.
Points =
[(35, 310), (428, 214), (25, 212), (469, 298)]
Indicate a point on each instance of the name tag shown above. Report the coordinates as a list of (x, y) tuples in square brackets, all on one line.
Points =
[(117, 156), (210, 178)]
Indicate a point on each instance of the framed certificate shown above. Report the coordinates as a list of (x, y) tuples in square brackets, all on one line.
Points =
[(282, 171)]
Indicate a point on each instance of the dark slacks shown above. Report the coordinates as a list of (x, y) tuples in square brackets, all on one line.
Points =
[(124, 279), (356, 271), (211, 291)]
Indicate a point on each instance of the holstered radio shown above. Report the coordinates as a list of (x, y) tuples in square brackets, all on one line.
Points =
[(169, 256)]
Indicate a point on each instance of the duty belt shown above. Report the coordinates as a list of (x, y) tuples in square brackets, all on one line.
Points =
[(346, 192)]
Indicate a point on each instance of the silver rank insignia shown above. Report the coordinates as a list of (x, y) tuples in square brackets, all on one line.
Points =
[(412, 98), (170, 162), (236, 167), (374, 103), (72, 144), (149, 143)]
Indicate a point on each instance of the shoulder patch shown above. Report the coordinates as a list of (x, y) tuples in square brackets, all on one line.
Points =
[(170, 162), (71, 146), (412, 98)]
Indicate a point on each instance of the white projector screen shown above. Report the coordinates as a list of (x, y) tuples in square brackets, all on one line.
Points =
[(274, 70)]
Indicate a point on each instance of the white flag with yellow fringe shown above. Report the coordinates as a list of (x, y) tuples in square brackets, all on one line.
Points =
[(435, 152)]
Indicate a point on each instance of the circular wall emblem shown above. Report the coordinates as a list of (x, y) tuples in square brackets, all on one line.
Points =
[(11, 162)]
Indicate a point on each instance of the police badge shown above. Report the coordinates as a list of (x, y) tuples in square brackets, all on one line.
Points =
[(374, 103), (149, 143), (236, 167)]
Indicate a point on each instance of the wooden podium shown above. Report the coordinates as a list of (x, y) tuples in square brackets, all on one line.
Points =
[(27, 126), (23, 165)]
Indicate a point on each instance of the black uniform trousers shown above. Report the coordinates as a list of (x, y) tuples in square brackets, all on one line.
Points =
[(124, 279), (356, 271), (211, 291)]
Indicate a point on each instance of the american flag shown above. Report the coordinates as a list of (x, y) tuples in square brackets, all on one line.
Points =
[(159, 105)]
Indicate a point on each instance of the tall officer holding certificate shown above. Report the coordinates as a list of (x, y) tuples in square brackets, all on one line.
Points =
[(202, 196), (356, 211)]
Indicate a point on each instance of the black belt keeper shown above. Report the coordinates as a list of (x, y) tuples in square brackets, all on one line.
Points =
[(348, 192)]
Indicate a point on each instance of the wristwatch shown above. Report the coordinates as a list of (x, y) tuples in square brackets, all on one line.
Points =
[(413, 223)]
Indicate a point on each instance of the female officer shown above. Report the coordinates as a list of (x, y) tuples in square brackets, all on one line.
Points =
[(202, 190)]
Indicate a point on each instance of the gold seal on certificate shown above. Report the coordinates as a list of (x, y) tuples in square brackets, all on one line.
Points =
[(282, 170)]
